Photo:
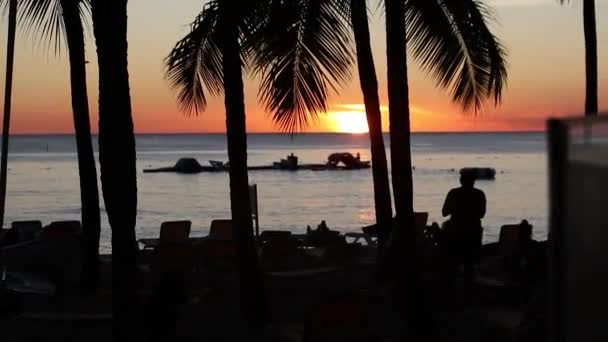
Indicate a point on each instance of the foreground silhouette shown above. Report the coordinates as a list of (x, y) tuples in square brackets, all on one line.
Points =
[(466, 206)]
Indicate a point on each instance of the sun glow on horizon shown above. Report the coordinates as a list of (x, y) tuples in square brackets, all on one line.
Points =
[(352, 121)]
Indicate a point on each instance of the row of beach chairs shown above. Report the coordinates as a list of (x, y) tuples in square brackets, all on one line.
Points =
[(24, 231)]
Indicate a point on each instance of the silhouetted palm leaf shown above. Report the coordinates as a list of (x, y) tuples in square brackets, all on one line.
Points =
[(43, 19), (451, 40), (304, 53), (195, 63)]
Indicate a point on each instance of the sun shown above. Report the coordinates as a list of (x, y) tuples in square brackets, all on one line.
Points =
[(349, 122)]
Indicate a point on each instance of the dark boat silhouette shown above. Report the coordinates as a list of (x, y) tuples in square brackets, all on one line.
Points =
[(484, 173)]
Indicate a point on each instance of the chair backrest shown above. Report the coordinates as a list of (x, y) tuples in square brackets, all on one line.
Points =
[(221, 230), (509, 239), (268, 235), (58, 229), (175, 231), (26, 230), (420, 219)]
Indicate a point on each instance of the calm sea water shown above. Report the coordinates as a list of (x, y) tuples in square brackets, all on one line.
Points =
[(43, 180)]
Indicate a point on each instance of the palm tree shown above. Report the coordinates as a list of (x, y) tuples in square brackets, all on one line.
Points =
[(591, 99), (117, 156), (452, 41), (52, 20), (297, 69), (6, 122), (211, 56), (369, 88)]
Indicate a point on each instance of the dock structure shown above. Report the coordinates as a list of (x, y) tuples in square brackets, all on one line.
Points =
[(336, 161)]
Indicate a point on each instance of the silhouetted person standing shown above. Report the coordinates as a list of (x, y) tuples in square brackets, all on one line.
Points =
[(466, 206)]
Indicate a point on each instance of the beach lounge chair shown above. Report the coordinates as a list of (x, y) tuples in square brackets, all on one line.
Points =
[(420, 219), (61, 229), (221, 230), (171, 232), (20, 231), (506, 266), (175, 232), (218, 250), (271, 235), (26, 230), (57, 255), (512, 239)]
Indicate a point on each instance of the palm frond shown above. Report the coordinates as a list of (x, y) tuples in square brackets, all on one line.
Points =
[(451, 40), (3, 8), (304, 53), (43, 21), (195, 63)]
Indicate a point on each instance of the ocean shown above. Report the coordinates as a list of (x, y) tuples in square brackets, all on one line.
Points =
[(43, 180)]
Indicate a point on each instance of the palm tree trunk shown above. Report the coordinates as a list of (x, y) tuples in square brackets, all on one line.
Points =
[(117, 157), (408, 296), (399, 111), (89, 194), (591, 106), (251, 287), (369, 87), (8, 92)]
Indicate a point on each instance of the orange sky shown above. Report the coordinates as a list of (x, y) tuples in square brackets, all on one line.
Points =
[(546, 76)]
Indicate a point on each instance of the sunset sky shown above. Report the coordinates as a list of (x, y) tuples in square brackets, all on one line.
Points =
[(546, 76)]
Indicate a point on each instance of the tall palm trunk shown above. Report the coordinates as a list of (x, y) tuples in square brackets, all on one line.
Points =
[(591, 106), (251, 287), (8, 92), (89, 195), (409, 293), (369, 87), (399, 111), (117, 156)]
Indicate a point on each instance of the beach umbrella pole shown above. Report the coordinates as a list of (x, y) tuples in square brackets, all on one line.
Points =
[(10, 54)]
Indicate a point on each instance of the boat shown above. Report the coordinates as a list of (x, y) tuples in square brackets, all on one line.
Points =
[(291, 163), (484, 173), (346, 160)]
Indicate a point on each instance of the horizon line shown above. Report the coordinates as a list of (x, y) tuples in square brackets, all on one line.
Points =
[(286, 133)]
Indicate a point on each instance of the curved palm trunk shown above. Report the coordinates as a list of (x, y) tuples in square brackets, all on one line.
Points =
[(117, 157), (369, 87), (591, 106), (251, 287), (89, 195), (6, 122)]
